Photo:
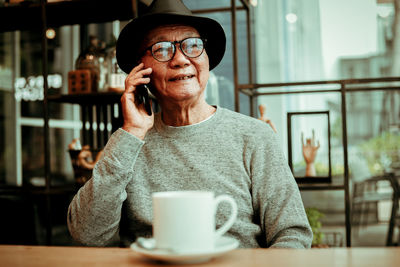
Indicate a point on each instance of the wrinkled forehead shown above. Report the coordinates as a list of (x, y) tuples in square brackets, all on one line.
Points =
[(172, 32)]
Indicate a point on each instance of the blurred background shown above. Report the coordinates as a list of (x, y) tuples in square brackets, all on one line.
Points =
[(340, 58)]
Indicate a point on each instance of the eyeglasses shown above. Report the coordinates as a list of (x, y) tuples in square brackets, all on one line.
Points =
[(191, 47)]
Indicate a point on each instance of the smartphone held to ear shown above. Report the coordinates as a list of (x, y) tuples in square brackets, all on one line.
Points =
[(142, 96)]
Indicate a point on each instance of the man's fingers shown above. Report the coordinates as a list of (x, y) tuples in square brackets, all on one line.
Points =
[(146, 71), (136, 79), (143, 80), (136, 69), (139, 71)]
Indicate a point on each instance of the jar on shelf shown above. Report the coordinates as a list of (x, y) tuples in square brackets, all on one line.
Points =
[(89, 60)]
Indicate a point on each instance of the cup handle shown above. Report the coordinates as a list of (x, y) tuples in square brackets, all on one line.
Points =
[(224, 228)]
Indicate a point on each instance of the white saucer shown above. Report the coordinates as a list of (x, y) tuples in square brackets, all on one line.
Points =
[(223, 245)]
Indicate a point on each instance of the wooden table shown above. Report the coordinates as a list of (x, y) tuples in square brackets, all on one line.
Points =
[(32, 256)]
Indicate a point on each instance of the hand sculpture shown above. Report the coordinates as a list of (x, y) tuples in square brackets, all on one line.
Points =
[(309, 153), (262, 109), (83, 161), (85, 158)]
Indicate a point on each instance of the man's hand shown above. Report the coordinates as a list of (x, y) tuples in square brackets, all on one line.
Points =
[(136, 119)]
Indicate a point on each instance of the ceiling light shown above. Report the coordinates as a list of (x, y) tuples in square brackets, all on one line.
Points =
[(50, 33), (291, 18)]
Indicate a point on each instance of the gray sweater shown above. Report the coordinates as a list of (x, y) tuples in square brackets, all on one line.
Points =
[(229, 153)]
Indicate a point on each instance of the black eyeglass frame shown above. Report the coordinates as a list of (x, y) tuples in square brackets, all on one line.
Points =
[(174, 48)]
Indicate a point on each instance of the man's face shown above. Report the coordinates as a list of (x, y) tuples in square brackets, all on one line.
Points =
[(182, 78)]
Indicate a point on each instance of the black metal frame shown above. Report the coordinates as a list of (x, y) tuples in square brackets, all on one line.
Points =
[(305, 179), (341, 87)]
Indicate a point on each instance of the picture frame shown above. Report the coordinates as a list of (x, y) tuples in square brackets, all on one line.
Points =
[(309, 138)]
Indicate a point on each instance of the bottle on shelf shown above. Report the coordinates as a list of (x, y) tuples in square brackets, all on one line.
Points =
[(103, 68), (116, 77)]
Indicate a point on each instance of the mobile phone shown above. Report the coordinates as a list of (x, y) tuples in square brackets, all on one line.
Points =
[(142, 96)]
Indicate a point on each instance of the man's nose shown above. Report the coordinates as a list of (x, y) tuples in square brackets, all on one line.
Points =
[(179, 59)]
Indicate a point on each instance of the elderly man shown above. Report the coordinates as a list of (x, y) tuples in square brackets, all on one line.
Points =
[(189, 145)]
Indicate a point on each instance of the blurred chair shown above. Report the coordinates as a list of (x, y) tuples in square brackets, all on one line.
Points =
[(333, 239), (395, 214), (367, 192)]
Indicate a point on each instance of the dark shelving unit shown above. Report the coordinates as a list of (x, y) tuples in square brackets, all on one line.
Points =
[(91, 98), (96, 109), (39, 16), (27, 15)]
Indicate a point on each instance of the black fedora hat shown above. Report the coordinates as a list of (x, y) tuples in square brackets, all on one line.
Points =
[(163, 12)]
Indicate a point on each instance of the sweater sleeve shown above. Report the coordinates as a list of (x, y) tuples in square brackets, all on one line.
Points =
[(276, 196), (95, 211)]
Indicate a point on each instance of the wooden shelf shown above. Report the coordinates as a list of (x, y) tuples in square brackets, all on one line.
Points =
[(311, 187), (38, 190), (91, 98), (27, 15)]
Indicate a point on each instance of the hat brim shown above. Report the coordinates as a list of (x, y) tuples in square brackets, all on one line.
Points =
[(131, 37)]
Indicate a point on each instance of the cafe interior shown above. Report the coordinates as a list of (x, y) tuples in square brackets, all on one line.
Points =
[(321, 68)]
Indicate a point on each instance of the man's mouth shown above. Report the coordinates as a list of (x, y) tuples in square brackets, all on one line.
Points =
[(181, 78)]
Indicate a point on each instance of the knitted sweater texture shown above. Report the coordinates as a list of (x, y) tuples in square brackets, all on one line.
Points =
[(229, 153)]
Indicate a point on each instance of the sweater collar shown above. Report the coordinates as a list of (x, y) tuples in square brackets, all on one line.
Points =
[(180, 131)]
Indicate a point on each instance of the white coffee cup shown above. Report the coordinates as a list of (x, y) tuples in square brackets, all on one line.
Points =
[(184, 221)]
